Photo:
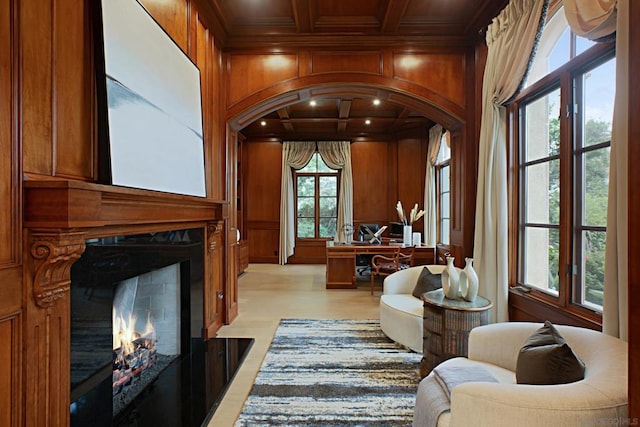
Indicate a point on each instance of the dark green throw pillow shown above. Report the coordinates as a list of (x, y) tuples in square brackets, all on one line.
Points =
[(427, 281), (546, 358)]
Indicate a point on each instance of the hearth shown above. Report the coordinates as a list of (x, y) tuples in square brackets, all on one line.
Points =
[(136, 328)]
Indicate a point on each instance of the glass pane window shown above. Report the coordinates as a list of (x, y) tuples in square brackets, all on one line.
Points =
[(316, 200), (557, 46), (542, 189), (540, 247), (596, 85), (443, 188), (593, 89), (563, 151), (593, 266), (542, 127)]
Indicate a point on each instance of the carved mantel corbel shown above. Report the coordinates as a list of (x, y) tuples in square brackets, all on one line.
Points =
[(53, 254)]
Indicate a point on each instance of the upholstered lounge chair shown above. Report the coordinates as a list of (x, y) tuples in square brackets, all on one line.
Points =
[(599, 399)]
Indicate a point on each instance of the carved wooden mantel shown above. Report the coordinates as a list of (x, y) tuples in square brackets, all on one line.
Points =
[(59, 216), (62, 214), (75, 204)]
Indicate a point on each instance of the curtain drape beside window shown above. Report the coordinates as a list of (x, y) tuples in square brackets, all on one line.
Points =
[(593, 19), (337, 155), (511, 39), (615, 316), (295, 154), (430, 217)]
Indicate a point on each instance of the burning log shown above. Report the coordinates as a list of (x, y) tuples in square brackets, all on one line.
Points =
[(129, 365)]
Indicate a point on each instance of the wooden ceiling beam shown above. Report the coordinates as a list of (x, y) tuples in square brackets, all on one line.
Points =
[(344, 108), (302, 15), (401, 119), (393, 15)]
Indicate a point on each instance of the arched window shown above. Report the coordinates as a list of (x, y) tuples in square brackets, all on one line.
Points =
[(316, 190), (563, 126)]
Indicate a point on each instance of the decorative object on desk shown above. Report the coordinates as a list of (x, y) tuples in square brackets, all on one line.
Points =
[(347, 231), (469, 281), (451, 280), (407, 232), (414, 215), (377, 234), (417, 239)]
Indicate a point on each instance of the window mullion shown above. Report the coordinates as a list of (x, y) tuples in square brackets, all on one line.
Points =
[(317, 209), (565, 260)]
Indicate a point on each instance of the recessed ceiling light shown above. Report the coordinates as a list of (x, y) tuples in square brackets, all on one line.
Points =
[(312, 103), (376, 102), (367, 122), (263, 123)]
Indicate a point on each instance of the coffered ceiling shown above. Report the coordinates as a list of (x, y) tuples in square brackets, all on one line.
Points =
[(271, 24)]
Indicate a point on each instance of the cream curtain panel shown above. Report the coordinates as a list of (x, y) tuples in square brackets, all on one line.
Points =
[(295, 154), (337, 155), (510, 40), (593, 19), (615, 317), (430, 217)]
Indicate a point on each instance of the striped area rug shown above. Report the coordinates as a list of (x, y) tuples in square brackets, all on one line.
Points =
[(331, 373)]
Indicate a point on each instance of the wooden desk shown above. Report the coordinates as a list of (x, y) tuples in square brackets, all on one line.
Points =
[(341, 260)]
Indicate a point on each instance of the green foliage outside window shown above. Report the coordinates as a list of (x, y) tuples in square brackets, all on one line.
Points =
[(596, 167), (316, 200)]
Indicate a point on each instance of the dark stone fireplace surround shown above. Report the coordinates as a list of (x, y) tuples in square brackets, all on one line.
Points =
[(60, 215), (106, 262)]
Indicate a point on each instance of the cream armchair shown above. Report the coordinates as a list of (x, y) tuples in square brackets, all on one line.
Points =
[(599, 399)]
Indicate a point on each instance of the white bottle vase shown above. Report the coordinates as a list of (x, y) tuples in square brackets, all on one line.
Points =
[(450, 280), (469, 281), (407, 235)]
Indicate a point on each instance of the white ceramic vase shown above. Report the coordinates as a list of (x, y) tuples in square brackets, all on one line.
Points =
[(450, 280), (469, 281), (407, 235)]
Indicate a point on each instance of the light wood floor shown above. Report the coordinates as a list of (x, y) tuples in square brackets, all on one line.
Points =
[(268, 293)]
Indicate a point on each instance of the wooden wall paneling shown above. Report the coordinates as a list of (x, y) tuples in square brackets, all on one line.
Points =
[(523, 308), (11, 402), (48, 259), (10, 177), (74, 143), (231, 223), (264, 240), (36, 54), (201, 44), (250, 73), (214, 287), (443, 73), (359, 61), (10, 359), (634, 214), (219, 138), (262, 204), (309, 252), (411, 169), (173, 17), (370, 165)]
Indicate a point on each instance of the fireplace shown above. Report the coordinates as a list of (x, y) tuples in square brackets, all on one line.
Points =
[(137, 354)]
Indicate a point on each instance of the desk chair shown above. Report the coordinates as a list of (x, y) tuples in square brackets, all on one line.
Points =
[(382, 265), (365, 234)]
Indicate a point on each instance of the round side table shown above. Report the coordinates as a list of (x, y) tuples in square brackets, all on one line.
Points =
[(446, 327)]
